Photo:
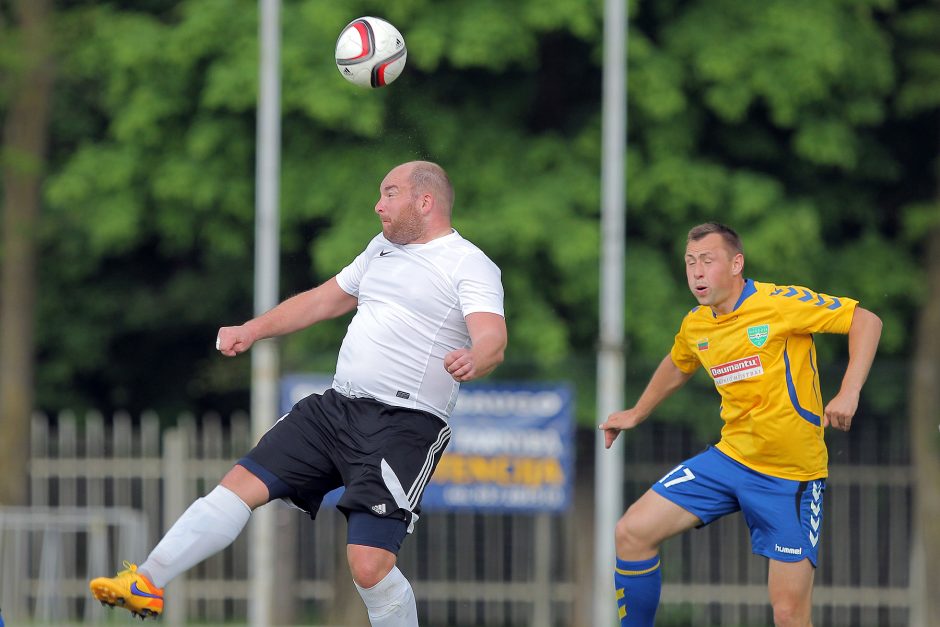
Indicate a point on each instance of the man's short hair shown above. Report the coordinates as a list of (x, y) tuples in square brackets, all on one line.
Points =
[(731, 238), (428, 176)]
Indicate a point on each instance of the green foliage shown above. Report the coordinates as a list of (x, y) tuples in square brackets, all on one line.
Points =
[(795, 58), (917, 29), (791, 121)]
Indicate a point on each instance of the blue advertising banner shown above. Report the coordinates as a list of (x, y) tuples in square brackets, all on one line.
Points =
[(511, 449)]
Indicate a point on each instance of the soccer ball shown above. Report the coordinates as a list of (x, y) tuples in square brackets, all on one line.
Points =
[(370, 52)]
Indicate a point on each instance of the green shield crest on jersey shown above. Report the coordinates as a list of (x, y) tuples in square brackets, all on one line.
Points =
[(758, 334)]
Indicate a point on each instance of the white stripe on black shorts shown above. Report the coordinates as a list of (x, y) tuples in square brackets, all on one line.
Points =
[(384, 455)]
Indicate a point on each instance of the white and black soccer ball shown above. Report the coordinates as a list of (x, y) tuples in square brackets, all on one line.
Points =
[(370, 52)]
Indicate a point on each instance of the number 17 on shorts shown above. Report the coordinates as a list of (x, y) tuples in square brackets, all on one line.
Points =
[(679, 474)]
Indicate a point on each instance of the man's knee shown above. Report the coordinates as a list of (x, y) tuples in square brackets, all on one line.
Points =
[(372, 544), (391, 601), (650, 521), (625, 535), (632, 542), (792, 608), (791, 612), (369, 565), (791, 592)]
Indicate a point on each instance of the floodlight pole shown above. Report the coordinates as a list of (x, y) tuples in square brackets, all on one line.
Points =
[(264, 354), (608, 466)]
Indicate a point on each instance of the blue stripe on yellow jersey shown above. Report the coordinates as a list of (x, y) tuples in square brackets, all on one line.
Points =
[(762, 359)]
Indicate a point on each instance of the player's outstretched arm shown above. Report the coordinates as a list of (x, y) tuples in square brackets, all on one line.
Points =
[(488, 340), (864, 335), (297, 312), (666, 380)]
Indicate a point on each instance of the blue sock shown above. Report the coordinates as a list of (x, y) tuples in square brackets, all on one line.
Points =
[(638, 585)]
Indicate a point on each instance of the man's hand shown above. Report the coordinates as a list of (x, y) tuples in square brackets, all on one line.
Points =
[(233, 340), (460, 365), (617, 422), (840, 411), (864, 335), (666, 380), (488, 341)]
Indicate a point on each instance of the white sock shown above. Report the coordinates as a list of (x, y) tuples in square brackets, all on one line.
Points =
[(391, 602), (209, 525)]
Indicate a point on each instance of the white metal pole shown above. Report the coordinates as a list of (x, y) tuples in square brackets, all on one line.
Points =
[(175, 502), (608, 467), (264, 356)]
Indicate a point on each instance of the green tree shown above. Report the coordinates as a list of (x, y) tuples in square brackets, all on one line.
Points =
[(809, 126), (27, 84), (776, 119), (155, 165), (919, 100)]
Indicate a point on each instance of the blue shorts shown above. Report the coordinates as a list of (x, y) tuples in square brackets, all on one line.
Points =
[(784, 516)]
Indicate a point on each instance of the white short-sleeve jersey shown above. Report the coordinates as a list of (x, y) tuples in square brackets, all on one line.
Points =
[(413, 299)]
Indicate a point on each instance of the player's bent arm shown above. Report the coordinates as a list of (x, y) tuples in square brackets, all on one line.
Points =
[(297, 312), (665, 380), (488, 339), (323, 302), (864, 335)]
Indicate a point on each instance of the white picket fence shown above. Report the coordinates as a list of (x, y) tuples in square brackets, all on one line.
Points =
[(104, 490)]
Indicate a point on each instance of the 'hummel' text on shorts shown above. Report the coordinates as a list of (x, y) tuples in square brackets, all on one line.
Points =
[(783, 515)]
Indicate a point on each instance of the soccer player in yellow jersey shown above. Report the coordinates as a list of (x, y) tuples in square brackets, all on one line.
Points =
[(755, 341)]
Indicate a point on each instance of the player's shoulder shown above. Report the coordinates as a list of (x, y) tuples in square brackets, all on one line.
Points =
[(779, 289), (457, 242), (799, 295), (798, 302), (463, 252)]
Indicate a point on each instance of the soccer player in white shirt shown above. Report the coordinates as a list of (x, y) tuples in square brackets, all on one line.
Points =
[(429, 316)]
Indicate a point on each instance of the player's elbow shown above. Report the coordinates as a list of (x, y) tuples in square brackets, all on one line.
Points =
[(496, 356), (868, 320), (877, 326), (496, 344), (500, 354)]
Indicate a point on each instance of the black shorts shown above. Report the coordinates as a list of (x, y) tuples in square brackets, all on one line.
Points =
[(383, 454)]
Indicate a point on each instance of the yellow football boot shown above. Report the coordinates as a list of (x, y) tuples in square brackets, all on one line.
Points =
[(130, 590)]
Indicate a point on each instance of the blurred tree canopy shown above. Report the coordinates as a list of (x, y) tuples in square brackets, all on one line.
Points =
[(785, 120)]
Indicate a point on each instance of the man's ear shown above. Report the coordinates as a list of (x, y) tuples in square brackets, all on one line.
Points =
[(427, 202), (737, 264)]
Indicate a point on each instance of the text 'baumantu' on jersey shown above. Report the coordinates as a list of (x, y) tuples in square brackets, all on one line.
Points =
[(413, 300), (762, 359)]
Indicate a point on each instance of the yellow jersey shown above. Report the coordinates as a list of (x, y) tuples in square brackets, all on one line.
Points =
[(762, 359)]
